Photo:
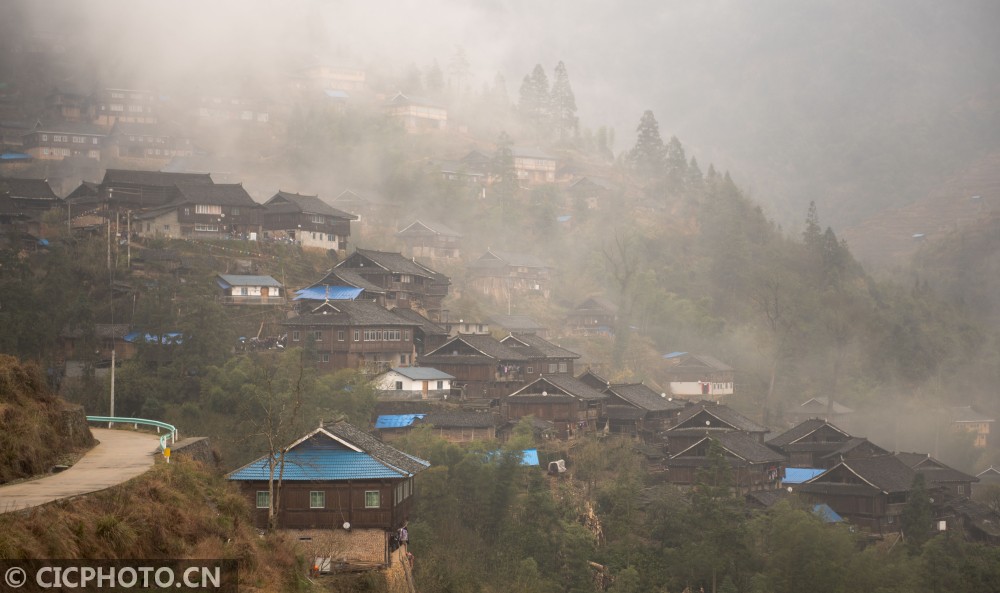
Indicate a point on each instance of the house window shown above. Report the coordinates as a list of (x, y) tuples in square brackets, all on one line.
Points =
[(531, 370), (235, 212), (94, 140), (329, 237), (961, 489), (373, 499), (45, 137), (340, 335), (318, 335), (187, 212), (399, 385), (562, 367), (79, 139), (317, 499), (357, 335), (207, 209), (263, 499), (440, 385), (317, 219), (295, 336), (404, 359), (553, 367), (207, 228), (406, 335)]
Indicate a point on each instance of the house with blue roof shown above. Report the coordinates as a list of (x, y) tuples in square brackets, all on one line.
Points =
[(335, 477)]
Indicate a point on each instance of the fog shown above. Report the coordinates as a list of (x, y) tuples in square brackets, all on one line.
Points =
[(855, 105)]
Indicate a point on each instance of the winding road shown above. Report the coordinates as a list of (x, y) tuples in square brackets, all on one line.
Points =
[(120, 456)]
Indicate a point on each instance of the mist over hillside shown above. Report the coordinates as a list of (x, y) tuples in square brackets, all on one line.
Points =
[(856, 106)]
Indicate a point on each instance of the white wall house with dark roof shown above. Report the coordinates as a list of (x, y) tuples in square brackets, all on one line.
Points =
[(414, 383), (239, 289)]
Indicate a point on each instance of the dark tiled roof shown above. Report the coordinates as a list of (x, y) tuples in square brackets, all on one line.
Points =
[(933, 470), (223, 194), (537, 347), (486, 344), (747, 447), (36, 189), (359, 313), (347, 277), (494, 258), (641, 396), (289, 202), (801, 430), (376, 448), (854, 443), (70, 127), (723, 413), (594, 380), (555, 384), (518, 323), (393, 262), (459, 359), (624, 413), (459, 420), (969, 414), (425, 227), (154, 178), (767, 498), (818, 405), (885, 472), (428, 326), (693, 361), (596, 304)]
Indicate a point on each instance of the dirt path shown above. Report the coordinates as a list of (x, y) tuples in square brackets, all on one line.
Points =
[(120, 456)]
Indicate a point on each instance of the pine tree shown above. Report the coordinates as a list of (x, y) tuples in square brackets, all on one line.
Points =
[(535, 99), (434, 79), (502, 170), (563, 104), (918, 517), (458, 71), (676, 165), (648, 156)]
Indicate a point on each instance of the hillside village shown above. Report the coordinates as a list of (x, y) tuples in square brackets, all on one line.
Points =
[(444, 298)]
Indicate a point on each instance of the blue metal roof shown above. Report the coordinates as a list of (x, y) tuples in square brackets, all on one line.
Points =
[(396, 420), (328, 293), (321, 465), (798, 475), (15, 156)]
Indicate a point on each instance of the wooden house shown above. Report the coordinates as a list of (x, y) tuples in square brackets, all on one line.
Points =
[(474, 169), (307, 221), (483, 367), (79, 343), (754, 465), (144, 145), (335, 477), (595, 316), (430, 240), (461, 426), (122, 189), (337, 279), (203, 211), (353, 335), (408, 284), (241, 289), (518, 325), (708, 418), (594, 380), (545, 357), (413, 383), (23, 202), (504, 276), (698, 376), (659, 411), (869, 491), (417, 114), (816, 443), (59, 140), (534, 165), (109, 106), (818, 407), (593, 192), (969, 419), (427, 335), (939, 477), (574, 407)]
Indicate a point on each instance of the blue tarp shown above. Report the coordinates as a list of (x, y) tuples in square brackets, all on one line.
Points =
[(396, 420), (328, 293), (797, 475), (530, 457), (170, 338), (827, 514), (15, 156)]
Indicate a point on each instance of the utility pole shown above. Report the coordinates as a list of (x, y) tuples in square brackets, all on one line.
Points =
[(112, 414)]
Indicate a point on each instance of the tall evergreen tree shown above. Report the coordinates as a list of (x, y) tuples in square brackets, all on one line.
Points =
[(502, 171), (535, 99), (676, 165), (917, 519), (648, 156), (434, 79), (563, 104)]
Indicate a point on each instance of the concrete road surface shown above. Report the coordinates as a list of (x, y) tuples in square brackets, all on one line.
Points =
[(121, 455)]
